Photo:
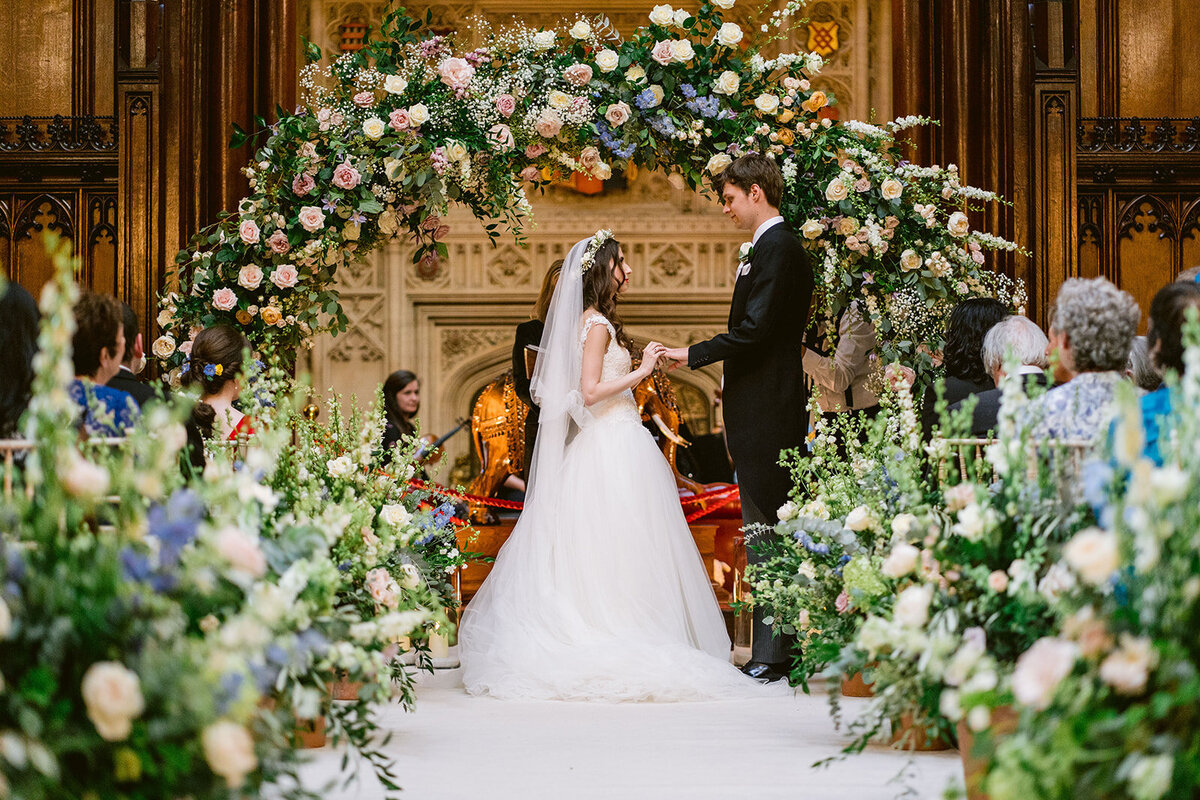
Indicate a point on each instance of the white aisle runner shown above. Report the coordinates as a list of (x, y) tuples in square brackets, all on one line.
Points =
[(455, 746)]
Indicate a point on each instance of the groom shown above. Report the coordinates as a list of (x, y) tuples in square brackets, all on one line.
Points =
[(766, 407)]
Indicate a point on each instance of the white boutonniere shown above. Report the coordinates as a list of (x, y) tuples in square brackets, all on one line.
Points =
[(745, 253)]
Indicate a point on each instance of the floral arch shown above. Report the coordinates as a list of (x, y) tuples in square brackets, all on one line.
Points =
[(388, 136)]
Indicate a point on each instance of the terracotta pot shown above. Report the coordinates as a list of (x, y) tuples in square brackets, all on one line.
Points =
[(914, 739), (345, 690), (1004, 722), (310, 733), (855, 686)]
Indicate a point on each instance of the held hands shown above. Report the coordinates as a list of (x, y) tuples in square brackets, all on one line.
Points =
[(650, 356), (678, 356)]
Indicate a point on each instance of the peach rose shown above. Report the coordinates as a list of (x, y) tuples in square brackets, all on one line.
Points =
[(250, 276), (224, 299), (112, 695), (248, 231), (618, 114), (312, 218), (891, 189), (589, 158), (271, 315), (548, 124), (815, 102), (578, 74), (346, 176), (241, 551), (456, 73), (229, 751), (285, 276)]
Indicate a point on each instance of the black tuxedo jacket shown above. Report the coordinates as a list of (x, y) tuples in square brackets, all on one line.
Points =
[(528, 333), (766, 405), (127, 382), (987, 406)]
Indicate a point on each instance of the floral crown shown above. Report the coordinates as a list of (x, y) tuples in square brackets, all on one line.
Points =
[(589, 255)]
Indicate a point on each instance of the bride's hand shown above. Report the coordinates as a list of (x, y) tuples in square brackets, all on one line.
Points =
[(650, 356)]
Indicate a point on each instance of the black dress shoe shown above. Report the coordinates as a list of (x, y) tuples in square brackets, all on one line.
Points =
[(765, 673)]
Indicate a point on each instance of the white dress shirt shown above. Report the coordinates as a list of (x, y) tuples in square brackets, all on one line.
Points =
[(766, 226)]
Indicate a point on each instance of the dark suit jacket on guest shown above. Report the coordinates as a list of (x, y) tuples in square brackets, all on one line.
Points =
[(127, 382), (987, 405), (528, 333), (766, 405), (956, 391)]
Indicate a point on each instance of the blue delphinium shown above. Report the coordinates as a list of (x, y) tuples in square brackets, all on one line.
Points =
[(688, 90), (646, 99), (663, 124), (175, 525)]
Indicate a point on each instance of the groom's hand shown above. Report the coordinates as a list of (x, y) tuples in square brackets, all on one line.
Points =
[(677, 355)]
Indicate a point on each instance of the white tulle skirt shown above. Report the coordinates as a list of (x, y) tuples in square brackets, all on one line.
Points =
[(600, 593)]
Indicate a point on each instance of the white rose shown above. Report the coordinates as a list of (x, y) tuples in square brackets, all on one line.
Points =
[(717, 164), (394, 84), (859, 519), (910, 260), (891, 189), (456, 150), (544, 40), (395, 515), (112, 695), (725, 4), (787, 511), (163, 346), (1150, 776), (558, 100), (1094, 554), (958, 225), (973, 523), (82, 478), (242, 551), (680, 17), (729, 35), (836, 191), (5, 620), (607, 60), (727, 84), (912, 606), (229, 751), (808, 570), (1127, 669), (410, 576), (767, 103), (1058, 579), (949, 705), (902, 560), (683, 51), (635, 73), (903, 523), (662, 15), (581, 30), (418, 114), (1169, 484), (374, 127), (1040, 670), (812, 229), (979, 718), (340, 467)]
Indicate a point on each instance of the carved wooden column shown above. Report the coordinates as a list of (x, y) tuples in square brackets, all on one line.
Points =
[(138, 190), (1055, 115)]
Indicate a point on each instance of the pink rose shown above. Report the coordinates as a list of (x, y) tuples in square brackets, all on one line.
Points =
[(382, 588), (842, 603), (224, 299), (186, 348), (346, 176), (312, 218), (364, 99), (531, 174), (248, 230), (589, 158), (278, 242), (578, 74), (618, 114), (506, 104), (536, 149), (250, 276), (501, 136), (242, 552), (323, 117), (399, 119), (663, 52), (862, 185), (285, 276), (548, 124), (456, 73), (308, 150), (302, 184)]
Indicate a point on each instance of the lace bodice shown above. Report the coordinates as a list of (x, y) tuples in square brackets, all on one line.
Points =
[(617, 364)]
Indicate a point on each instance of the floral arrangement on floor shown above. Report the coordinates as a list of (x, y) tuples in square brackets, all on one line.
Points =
[(1107, 697), (163, 635), (389, 135)]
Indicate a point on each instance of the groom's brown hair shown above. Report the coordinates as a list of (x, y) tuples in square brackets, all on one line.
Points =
[(751, 169)]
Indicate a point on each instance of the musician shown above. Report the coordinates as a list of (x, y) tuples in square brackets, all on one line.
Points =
[(401, 402), (529, 333)]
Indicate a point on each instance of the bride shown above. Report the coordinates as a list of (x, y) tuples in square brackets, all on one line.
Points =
[(599, 593)]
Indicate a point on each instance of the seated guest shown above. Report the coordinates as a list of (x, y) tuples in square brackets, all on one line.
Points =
[(401, 402), (840, 377), (1168, 315), (1140, 368), (1094, 326), (1189, 276), (215, 365), (18, 344), (133, 363), (97, 350), (529, 334), (962, 356), (1014, 337)]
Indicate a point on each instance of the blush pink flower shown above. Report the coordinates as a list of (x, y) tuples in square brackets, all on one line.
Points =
[(312, 218), (842, 603), (548, 124), (506, 104), (399, 119), (250, 276), (663, 52), (578, 74), (224, 299), (364, 99), (589, 158), (278, 242), (302, 184), (618, 114), (346, 176), (456, 73), (536, 149), (530, 174), (501, 136), (285, 276), (248, 231), (382, 588)]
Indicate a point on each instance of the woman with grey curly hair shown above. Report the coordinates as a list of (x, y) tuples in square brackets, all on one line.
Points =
[(1093, 329)]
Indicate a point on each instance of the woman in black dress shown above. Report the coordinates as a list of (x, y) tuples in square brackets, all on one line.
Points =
[(401, 402), (962, 356), (529, 334)]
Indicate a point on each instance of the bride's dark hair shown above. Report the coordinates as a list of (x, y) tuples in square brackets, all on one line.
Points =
[(600, 288)]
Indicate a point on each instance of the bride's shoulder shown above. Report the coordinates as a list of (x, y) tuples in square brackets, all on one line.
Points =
[(591, 318)]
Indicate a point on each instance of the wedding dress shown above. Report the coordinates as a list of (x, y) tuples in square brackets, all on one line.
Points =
[(599, 593)]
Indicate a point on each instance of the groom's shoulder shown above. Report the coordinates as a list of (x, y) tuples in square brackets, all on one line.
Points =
[(782, 240)]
